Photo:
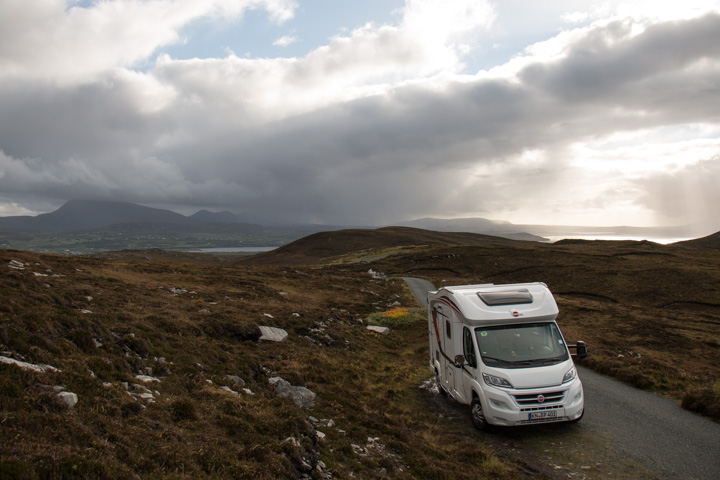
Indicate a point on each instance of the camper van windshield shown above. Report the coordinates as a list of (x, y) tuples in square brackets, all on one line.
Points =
[(520, 346)]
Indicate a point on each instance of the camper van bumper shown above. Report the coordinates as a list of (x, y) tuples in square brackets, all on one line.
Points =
[(502, 407)]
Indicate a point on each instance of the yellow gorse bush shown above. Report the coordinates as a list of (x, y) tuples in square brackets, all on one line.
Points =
[(398, 312)]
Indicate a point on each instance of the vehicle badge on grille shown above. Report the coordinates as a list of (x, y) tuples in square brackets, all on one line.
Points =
[(541, 399)]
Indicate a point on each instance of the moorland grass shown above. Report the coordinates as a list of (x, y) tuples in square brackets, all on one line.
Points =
[(102, 322)]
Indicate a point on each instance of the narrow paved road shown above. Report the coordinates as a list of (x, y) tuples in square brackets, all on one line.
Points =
[(643, 427), (659, 434), (419, 287)]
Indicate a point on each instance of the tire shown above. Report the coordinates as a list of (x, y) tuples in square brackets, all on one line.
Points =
[(477, 416)]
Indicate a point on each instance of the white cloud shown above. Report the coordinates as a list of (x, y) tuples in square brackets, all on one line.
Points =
[(285, 40), (377, 125), (54, 40)]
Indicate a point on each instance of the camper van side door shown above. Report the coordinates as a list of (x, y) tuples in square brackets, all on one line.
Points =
[(447, 332), (466, 374)]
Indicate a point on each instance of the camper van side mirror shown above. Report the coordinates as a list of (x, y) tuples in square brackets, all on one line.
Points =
[(459, 361), (581, 350)]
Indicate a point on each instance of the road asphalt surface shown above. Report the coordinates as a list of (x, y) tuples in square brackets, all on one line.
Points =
[(654, 431), (648, 428)]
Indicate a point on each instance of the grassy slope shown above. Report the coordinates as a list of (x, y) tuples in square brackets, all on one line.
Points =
[(648, 312), (325, 247), (367, 385)]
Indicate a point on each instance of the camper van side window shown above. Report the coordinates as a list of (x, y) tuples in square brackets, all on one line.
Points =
[(469, 348), (448, 328)]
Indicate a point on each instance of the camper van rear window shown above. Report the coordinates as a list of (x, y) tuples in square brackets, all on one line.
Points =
[(508, 297)]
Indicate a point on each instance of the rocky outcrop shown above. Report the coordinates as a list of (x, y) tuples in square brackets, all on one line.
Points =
[(29, 366), (378, 329), (68, 399), (302, 396), (273, 334)]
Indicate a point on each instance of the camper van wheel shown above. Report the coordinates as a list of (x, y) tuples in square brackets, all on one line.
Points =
[(476, 415)]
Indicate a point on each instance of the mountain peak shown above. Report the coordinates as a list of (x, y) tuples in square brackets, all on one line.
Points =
[(79, 213)]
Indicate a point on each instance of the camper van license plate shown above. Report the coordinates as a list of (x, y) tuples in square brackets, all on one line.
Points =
[(548, 414)]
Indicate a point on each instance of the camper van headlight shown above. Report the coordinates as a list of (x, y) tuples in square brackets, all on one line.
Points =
[(494, 381), (570, 375)]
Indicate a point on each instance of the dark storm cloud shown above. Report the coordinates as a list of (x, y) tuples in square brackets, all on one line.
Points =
[(668, 64), (418, 148)]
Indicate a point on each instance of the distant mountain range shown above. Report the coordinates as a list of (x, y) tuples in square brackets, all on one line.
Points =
[(116, 216), (475, 225), (84, 214)]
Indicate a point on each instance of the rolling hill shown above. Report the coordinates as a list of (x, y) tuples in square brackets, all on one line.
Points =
[(709, 242), (324, 247)]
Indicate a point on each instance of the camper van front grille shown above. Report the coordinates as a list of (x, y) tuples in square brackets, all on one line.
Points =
[(542, 398), (538, 409), (542, 420)]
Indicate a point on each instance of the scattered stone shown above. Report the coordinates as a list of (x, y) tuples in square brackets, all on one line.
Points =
[(283, 293), (320, 435), (68, 398), (248, 391), (377, 275), (29, 366), (203, 310), (431, 386), (379, 329), (237, 380), (139, 392), (302, 396), (85, 310), (177, 291), (147, 378), (359, 450), (273, 334), (228, 389), (16, 265), (268, 315), (37, 274), (145, 396), (292, 441), (137, 388)]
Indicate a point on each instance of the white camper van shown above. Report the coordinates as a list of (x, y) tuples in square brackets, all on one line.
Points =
[(498, 349)]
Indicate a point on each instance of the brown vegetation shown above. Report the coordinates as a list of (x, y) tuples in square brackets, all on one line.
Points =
[(104, 321), (649, 313)]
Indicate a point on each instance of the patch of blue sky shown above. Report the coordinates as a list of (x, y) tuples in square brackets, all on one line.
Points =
[(255, 35)]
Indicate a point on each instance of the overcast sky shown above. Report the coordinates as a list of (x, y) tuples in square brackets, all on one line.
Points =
[(365, 112)]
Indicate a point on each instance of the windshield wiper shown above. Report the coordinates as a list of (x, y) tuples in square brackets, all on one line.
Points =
[(498, 360)]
